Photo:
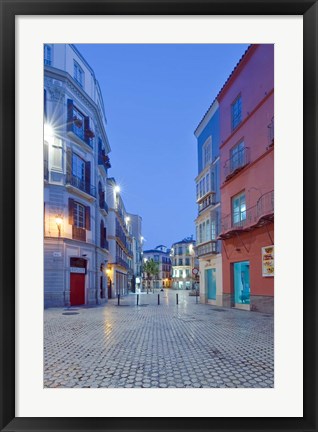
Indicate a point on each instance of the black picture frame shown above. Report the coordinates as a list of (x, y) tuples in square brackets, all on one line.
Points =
[(8, 11)]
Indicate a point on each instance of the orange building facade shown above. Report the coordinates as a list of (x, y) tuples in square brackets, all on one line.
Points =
[(246, 104)]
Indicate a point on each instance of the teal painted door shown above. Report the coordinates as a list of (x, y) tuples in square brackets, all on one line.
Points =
[(210, 283), (242, 282)]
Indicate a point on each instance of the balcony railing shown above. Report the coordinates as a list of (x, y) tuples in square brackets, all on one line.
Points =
[(250, 218), (85, 135), (103, 160), (271, 133), (208, 201), (102, 203), (121, 262), (81, 185), (78, 233), (207, 248), (237, 162)]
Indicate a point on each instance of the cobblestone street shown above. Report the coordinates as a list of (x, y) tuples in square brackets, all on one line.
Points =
[(151, 345)]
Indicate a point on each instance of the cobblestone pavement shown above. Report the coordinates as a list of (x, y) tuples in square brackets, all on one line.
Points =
[(184, 345)]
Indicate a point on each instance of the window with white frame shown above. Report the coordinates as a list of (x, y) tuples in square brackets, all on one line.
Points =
[(57, 154), (207, 152), (79, 215), (78, 167), (78, 74), (239, 209)]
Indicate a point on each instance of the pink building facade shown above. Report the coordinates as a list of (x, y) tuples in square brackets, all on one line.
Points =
[(246, 104)]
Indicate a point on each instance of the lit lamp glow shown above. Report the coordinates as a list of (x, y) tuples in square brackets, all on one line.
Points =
[(59, 221), (117, 189), (48, 131)]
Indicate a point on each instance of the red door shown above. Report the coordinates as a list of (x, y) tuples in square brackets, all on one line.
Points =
[(77, 289)]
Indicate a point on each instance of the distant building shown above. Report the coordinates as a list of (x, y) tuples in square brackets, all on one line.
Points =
[(162, 257), (246, 105), (137, 241), (183, 262), (76, 163), (120, 263), (208, 248)]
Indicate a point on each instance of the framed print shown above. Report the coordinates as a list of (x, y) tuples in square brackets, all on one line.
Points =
[(113, 315)]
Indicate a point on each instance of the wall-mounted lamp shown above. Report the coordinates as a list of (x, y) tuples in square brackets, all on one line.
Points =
[(59, 221)]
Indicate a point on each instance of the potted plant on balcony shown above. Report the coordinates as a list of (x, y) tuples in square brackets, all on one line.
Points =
[(89, 133), (78, 122)]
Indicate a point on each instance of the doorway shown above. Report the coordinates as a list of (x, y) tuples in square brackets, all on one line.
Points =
[(241, 274), (77, 289)]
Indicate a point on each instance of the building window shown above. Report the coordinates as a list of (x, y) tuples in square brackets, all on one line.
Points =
[(239, 209), (207, 152), (237, 156), (187, 261), (156, 258), (207, 182), (57, 154), (180, 273), (180, 261), (187, 272), (180, 250), (78, 167), (236, 110), (47, 55), (79, 215), (78, 74), (213, 229)]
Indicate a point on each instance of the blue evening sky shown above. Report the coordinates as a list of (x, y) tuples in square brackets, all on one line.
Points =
[(155, 96)]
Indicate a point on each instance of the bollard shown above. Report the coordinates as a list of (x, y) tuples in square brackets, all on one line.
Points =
[(137, 299), (147, 290), (196, 297), (177, 299), (118, 300), (158, 299)]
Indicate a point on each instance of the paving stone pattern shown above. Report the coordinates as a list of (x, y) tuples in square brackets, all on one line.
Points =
[(178, 346)]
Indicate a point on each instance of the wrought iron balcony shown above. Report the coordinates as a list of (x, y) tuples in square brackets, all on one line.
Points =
[(253, 217), (207, 248), (207, 202), (86, 135), (81, 185), (120, 261), (237, 162), (102, 203), (103, 160)]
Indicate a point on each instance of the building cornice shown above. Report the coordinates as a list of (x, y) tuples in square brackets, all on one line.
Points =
[(65, 77), (206, 118)]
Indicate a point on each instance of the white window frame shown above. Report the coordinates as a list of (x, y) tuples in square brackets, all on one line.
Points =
[(207, 152), (79, 215)]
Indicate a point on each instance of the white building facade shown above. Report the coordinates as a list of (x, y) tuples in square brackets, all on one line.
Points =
[(208, 247), (120, 264), (183, 262), (76, 162)]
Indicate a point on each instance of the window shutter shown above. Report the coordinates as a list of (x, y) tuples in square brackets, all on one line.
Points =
[(88, 218), (69, 114), (86, 129), (71, 211), (68, 165), (88, 177), (105, 234)]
